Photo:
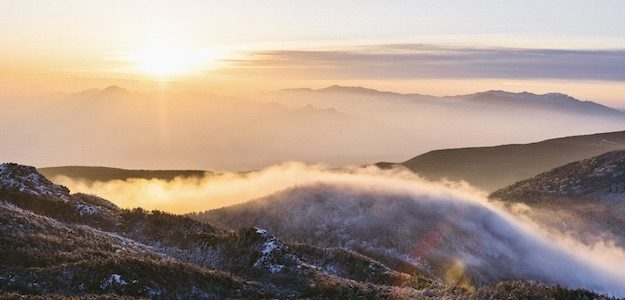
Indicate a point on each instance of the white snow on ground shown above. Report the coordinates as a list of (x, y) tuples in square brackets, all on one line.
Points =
[(113, 279), (268, 247), (276, 268), (28, 180)]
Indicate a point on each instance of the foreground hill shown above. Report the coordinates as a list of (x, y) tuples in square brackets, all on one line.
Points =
[(416, 228), (491, 168), (249, 262), (55, 244)]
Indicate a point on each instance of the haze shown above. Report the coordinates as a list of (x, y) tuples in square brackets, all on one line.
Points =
[(195, 85)]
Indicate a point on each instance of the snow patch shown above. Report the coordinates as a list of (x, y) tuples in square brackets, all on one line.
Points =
[(114, 279), (26, 179), (276, 268), (271, 244)]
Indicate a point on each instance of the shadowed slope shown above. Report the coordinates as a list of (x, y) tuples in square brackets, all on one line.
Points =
[(490, 168)]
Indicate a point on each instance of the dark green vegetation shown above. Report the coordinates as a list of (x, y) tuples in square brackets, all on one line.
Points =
[(56, 245), (492, 168), (105, 174)]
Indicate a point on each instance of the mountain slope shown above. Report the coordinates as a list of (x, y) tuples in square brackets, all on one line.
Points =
[(584, 198), (430, 232), (600, 177), (41, 256), (491, 168), (249, 263)]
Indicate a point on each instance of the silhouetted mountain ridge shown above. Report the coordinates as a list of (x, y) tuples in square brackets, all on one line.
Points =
[(491, 168), (495, 98), (107, 173)]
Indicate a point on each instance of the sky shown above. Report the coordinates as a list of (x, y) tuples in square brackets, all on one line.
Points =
[(430, 47)]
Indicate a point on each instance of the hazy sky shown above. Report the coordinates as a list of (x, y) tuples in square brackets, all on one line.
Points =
[(438, 47)]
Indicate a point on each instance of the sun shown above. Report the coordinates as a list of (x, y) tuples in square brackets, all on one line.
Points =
[(165, 59)]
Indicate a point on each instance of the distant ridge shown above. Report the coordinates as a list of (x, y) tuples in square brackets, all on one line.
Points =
[(491, 168), (106, 173), (553, 101), (496, 98), (350, 90)]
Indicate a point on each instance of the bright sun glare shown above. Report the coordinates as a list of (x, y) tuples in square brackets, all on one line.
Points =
[(164, 59)]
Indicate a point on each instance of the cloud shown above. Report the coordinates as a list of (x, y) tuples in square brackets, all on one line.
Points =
[(182, 195), (415, 61), (481, 236)]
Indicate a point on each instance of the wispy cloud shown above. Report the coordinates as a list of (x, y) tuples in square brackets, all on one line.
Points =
[(415, 61)]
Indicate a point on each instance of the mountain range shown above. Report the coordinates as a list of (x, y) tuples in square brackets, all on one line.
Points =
[(186, 129), (494, 98)]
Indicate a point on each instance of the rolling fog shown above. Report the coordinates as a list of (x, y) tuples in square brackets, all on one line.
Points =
[(188, 130), (350, 207)]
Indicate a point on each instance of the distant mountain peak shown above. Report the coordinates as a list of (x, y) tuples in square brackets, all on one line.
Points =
[(107, 92), (114, 88), (550, 101), (26, 179), (353, 89), (521, 95)]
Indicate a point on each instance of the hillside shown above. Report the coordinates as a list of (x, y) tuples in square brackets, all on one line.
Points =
[(491, 168), (600, 177), (132, 249), (56, 245), (587, 197), (429, 232)]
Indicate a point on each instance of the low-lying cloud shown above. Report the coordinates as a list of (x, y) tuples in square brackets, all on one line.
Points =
[(192, 194), (487, 239)]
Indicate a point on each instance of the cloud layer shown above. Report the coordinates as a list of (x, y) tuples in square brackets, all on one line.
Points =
[(415, 61)]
